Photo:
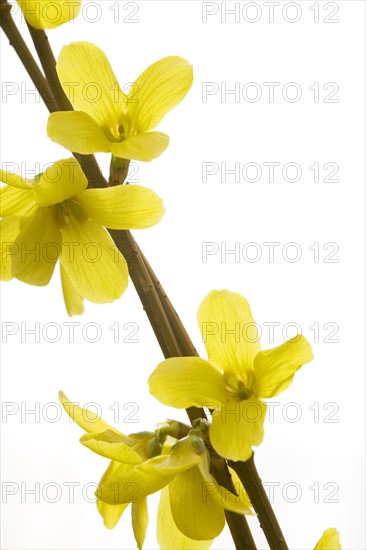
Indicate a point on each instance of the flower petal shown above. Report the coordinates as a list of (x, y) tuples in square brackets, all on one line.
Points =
[(140, 520), (133, 483), (59, 182), (145, 146), (14, 180), (73, 300), (16, 202), (95, 266), (77, 132), (90, 84), (229, 332), (88, 420), (38, 248), (110, 513), (239, 489), (236, 427), (109, 445), (168, 535), (9, 230), (43, 14), (239, 504), (196, 514), (122, 206), (158, 90), (276, 367), (329, 541), (139, 442), (183, 382)]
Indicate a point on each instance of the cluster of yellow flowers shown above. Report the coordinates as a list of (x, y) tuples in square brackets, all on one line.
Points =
[(56, 217), (192, 504)]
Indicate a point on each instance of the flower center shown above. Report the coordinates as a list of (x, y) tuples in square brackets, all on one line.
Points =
[(236, 388), (118, 132), (67, 209), (243, 392)]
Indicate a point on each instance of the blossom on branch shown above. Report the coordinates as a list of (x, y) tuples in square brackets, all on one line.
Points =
[(54, 217), (192, 504), (105, 118), (329, 540), (235, 377)]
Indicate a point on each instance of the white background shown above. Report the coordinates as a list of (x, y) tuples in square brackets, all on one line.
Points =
[(307, 453)]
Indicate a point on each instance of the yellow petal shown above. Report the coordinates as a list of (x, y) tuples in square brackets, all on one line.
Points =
[(59, 182), (38, 247), (145, 146), (77, 132), (110, 445), (122, 206), (229, 332), (241, 492), (132, 483), (140, 520), (158, 90), (43, 14), (110, 513), (275, 368), (168, 535), (238, 504), (96, 268), (196, 514), (87, 419), (16, 202), (14, 180), (136, 482), (73, 300), (183, 382), (329, 541), (90, 84), (236, 427), (9, 230)]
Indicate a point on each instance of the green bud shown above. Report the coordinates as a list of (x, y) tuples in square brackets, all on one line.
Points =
[(154, 448)]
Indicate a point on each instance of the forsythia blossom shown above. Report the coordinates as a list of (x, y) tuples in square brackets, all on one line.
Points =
[(235, 377), (192, 504), (46, 14), (105, 118), (329, 540), (55, 217)]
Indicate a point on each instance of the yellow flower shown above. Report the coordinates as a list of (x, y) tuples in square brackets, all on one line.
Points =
[(191, 509), (105, 118), (329, 540), (235, 377), (47, 14), (56, 217), (197, 502), (124, 451)]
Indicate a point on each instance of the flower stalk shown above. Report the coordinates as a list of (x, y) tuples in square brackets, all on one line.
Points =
[(248, 475), (118, 170)]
